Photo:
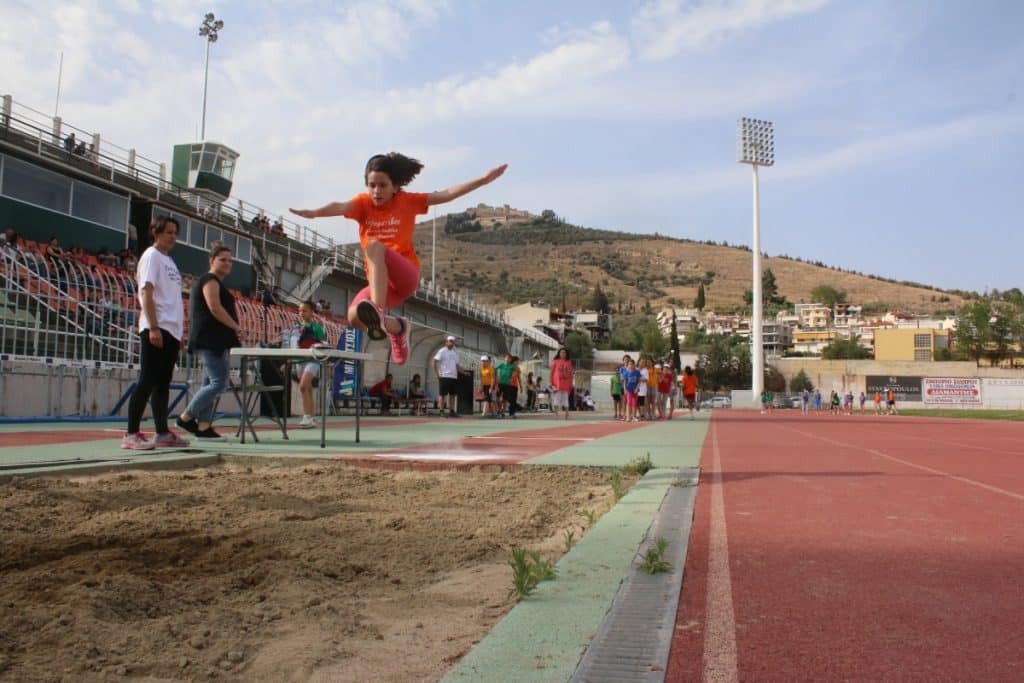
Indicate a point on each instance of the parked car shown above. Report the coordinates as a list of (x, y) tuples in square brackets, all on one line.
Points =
[(717, 402)]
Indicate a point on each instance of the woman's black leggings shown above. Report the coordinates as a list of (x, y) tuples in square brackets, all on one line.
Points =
[(155, 373), (511, 395)]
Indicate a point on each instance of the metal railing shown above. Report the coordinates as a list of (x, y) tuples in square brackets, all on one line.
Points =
[(126, 168), (81, 312)]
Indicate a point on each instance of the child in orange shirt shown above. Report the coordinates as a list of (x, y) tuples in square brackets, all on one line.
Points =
[(386, 214)]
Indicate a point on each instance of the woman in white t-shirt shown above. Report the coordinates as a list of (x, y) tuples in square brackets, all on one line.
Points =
[(161, 325)]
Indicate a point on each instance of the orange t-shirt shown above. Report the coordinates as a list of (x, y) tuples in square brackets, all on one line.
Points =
[(689, 385), (392, 224)]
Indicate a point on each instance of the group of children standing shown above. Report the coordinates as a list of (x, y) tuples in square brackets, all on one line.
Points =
[(645, 390), (842, 403)]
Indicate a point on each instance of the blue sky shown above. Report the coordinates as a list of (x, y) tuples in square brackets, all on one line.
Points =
[(899, 125)]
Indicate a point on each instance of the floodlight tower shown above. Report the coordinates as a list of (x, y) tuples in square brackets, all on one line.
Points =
[(755, 145), (208, 29)]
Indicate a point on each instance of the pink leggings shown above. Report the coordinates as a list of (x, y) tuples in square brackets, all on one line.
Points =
[(403, 279)]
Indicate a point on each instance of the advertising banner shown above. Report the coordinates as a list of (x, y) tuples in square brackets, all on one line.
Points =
[(345, 372), (906, 388), (961, 391)]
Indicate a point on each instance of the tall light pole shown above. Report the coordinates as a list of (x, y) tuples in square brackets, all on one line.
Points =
[(755, 145), (208, 29)]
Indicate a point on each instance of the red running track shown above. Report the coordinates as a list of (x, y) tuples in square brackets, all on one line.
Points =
[(855, 548)]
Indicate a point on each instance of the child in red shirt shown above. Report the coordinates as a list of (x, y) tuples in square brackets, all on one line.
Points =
[(386, 214)]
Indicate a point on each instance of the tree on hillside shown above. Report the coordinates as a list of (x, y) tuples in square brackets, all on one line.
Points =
[(674, 343), (828, 295), (699, 302), (599, 300), (770, 299), (842, 349)]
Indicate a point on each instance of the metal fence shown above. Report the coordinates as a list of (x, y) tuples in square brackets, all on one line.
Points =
[(84, 311)]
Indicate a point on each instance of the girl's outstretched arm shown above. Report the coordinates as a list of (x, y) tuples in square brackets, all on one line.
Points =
[(456, 191), (332, 209)]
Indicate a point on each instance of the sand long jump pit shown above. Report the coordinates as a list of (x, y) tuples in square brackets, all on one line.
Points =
[(317, 571)]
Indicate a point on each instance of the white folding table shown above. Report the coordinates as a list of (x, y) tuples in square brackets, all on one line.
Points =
[(326, 357)]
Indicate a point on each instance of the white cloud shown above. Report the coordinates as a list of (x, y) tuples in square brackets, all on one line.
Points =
[(898, 144), (665, 28)]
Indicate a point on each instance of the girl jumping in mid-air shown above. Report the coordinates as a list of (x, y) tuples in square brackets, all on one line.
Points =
[(386, 214)]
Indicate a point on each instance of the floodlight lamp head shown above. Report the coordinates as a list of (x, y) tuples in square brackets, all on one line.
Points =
[(755, 142), (208, 17)]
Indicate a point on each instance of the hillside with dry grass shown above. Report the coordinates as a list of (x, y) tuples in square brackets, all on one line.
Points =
[(508, 263)]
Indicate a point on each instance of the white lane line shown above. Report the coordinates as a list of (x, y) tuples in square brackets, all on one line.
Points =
[(720, 632), (433, 456), (534, 438), (924, 468)]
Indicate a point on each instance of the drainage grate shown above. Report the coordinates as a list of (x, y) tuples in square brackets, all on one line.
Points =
[(634, 639)]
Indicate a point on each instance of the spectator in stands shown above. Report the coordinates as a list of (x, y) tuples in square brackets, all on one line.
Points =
[(213, 333), (385, 392), (107, 259), (54, 251), (10, 240), (311, 334), (69, 143), (386, 214), (133, 238), (161, 324), (417, 396), (128, 261), (80, 149)]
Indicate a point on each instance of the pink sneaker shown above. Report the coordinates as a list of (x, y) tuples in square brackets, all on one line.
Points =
[(400, 343), (371, 315), (169, 440), (136, 442)]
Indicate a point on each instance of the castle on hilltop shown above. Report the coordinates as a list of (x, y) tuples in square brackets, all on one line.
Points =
[(503, 213)]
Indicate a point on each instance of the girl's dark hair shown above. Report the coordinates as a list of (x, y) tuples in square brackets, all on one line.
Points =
[(558, 353), (217, 248), (400, 168), (309, 302), (688, 370), (159, 225)]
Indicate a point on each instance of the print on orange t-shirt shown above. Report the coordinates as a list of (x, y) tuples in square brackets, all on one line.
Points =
[(391, 224)]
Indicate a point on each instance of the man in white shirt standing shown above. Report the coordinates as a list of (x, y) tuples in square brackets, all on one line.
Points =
[(447, 369)]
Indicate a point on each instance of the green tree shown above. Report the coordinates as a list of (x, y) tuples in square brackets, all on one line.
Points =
[(580, 346), (652, 341), (774, 380), (699, 302), (974, 328), (695, 341), (827, 295), (800, 381), (674, 343), (725, 362), (841, 349), (1002, 332), (770, 299), (599, 300)]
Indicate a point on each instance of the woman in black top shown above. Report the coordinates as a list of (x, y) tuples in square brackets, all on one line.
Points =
[(215, 330)]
